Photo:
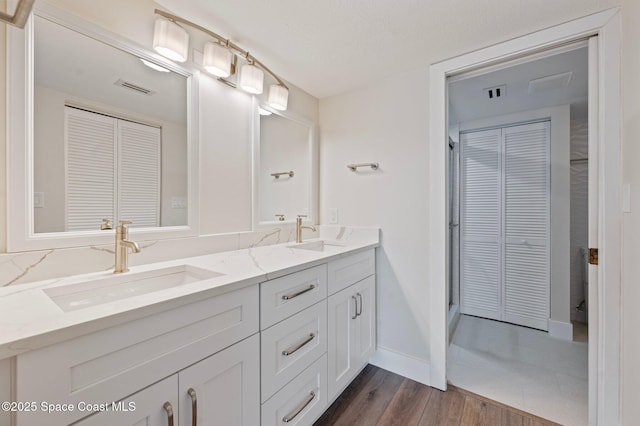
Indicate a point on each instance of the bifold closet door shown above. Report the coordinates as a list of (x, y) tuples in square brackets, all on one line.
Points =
[(480, 224), (504, 224), (526, 295)]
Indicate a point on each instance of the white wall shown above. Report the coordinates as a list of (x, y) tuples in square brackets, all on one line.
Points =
[(385, 123), (631, 221)]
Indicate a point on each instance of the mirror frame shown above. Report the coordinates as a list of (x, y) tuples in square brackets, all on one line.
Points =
[(20, 78), (312, 164)]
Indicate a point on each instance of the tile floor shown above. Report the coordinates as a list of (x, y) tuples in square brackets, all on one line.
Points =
[(521, 367)]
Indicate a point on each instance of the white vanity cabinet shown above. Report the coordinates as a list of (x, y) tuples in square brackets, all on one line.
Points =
[(221, 389), (267, 354), (111, 364)]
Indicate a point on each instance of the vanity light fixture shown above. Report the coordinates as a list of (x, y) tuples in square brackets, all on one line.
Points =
[(219, 59), (171, 40)]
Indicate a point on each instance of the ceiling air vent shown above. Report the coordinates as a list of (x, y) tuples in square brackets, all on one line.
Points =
[(551, 82), (135, 87), (495, 92)]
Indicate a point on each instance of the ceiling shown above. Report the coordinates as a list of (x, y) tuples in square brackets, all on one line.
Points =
[(329, 47), (468, 100)]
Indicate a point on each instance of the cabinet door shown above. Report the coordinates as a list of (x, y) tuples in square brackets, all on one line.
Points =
[(364, 337), (341, 316), (352, 332), (146, 407), (223, 389)]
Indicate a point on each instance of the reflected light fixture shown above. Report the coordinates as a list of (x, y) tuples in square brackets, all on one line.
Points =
[(251, 78), (278, 97), (170, 40), (220, 58), (154, 66), (217, 60)]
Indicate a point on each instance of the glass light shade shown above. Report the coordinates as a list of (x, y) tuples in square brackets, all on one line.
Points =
[(264, 112), (217, 60), (154, 66), (278, 97), (251, 79), (170, 40)]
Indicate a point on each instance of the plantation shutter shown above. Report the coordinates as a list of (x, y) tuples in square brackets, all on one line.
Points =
[(90, 169), (139, 174), (480, 224), (526, 213)]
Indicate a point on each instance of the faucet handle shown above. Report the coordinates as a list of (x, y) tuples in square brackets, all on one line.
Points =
[(106, 224), (280, 217), (302, 215), (125, 222)]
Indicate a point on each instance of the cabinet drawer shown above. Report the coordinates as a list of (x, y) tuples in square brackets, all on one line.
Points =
[(348, 270), (291, 346), (115, 362), (302, 401), (285, 296)]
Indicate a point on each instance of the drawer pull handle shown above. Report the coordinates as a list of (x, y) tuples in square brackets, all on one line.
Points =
[(355, 311), (293, 415), (294, 295), (169, 409), (194, 406), (360, 311), (293, 350)]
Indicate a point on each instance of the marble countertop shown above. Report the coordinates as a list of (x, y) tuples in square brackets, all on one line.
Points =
[(29, 319)]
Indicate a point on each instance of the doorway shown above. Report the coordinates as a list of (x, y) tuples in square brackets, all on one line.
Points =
[(604, 338)]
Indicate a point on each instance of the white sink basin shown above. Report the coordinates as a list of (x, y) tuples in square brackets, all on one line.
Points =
[(122, 286), (320, 245)]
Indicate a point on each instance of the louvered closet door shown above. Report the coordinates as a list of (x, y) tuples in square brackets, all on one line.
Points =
[(139, 174), (90, 169), (526, 226), (480, 224)]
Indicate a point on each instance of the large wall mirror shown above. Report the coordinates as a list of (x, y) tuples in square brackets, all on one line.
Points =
[(110, 134), (285, 168)]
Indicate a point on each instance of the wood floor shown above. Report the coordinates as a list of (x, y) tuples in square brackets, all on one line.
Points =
[(379, 397)]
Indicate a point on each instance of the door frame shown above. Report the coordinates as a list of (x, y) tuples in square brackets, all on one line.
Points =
[(604, 341)]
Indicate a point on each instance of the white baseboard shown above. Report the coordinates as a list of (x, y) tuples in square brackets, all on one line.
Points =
[(402, 364), (561, 330)]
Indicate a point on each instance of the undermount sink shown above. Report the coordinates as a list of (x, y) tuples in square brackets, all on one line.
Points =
[(117, 287), (320, 245)]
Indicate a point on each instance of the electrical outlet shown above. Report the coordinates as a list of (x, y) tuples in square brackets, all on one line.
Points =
[(333, 215)]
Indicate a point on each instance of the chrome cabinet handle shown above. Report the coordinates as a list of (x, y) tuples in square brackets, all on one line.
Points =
[(355, 311), (360, 311), (294, 295), (169, 409), (194, 406), (293, 350), (293, 415)]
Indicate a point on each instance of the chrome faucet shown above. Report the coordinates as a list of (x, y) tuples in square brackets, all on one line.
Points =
[(299, 228), (122, 247)]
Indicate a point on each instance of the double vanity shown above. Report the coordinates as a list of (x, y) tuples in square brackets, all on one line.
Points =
[(267, 335)]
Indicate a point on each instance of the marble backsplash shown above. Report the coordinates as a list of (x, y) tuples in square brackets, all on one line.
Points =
[(25, 267)]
